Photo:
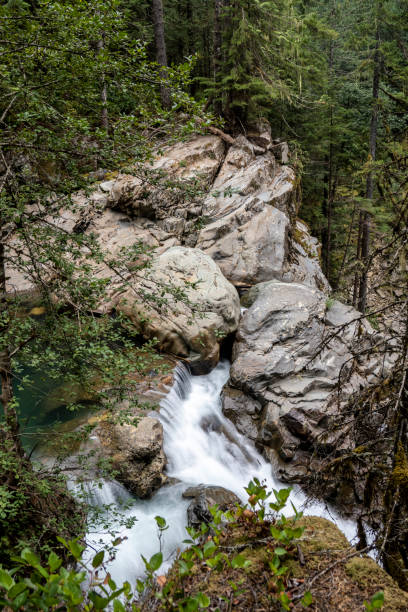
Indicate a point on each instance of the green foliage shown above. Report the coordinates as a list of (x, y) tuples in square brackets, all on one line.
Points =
[(375, 603), (49, 584), (332, 129), (35, 508), (262, 62)]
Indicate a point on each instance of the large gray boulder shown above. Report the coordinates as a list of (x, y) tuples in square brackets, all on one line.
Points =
[(136, 454), (285, 362), (201, 306)]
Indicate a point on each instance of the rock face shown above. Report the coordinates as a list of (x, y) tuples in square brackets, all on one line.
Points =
[(192, 331), (205, 497), (248, 216), (242, 410), (194, 162), (304, 266), (285, 372), (244, 229), (136, 453)]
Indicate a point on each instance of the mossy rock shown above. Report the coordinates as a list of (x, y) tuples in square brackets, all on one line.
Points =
[(365, 572), (339, 582)]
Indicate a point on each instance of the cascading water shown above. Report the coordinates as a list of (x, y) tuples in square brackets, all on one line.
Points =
[(202, 447)]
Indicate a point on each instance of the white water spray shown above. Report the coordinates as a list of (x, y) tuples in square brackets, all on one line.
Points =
[(202, 447)]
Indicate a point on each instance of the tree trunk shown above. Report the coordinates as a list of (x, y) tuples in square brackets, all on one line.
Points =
[(12, 433), (217, 49), (365, 240), (328, 189), (161, 52), (358, 259), (104, 89), (217, 36)]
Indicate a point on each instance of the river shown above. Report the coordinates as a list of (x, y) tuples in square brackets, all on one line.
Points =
[(202, 447)]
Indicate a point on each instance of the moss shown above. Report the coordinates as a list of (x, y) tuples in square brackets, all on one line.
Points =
[(345, 587), (396, 566), (321, 534), (369, 576), (111, 175), (299, 237), (400, 471), (360, 449)]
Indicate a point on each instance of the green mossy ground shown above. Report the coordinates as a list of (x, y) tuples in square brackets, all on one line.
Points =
[(343, 588)]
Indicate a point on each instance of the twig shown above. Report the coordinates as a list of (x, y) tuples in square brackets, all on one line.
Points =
[(312, 580)]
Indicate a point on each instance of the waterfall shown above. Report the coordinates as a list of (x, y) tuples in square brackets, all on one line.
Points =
[(202, 447)]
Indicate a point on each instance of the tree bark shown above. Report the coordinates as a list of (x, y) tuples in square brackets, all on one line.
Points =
[(358, 259), (104, 89), (217, 50), (12, 433), (365, 239), (161, 52), (328, 190)]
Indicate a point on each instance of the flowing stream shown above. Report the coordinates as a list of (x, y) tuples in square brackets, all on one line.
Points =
[(202, 446)]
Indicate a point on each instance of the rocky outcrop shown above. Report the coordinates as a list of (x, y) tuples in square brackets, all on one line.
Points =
[(248, 214), (205, 497), (136, 454), (304, 265), (159, 191), (286, 367), (237, 207), (244, 222), (194, 326)]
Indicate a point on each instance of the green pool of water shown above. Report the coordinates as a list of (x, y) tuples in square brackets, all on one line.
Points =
[(44, 405)]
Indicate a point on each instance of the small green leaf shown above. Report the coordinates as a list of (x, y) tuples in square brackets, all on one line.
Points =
[(98, 558), (76, 549), (6, 581), (118, 606), (240, 561), (307, 599), (30, 557), (161, 522), (377, 600), (16, 590), (280, 552), (209, 548), (54, 562), (202, 600), (156, 561)]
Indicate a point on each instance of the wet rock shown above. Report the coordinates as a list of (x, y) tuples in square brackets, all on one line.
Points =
[(283, 358), (192, 327), (136, 453), (242, 410), (274, 435), (205, 497)]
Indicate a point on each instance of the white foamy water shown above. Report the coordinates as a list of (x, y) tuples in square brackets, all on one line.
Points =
[(202, 447)]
